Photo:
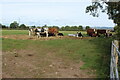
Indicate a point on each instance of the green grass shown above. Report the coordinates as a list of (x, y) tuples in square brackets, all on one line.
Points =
[(95, 52), (14, 32)]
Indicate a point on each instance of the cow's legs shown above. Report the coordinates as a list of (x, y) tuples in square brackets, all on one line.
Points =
[(29, 33), (46, 33), (38, 34)]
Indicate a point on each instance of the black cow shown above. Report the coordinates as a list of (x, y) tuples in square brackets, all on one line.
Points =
[(60, 34), (51, 34), (80, 34)]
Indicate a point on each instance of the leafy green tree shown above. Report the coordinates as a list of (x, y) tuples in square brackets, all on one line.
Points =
[(4, 26), (33, 26), (55, 27), (14, 25), (44, 26), (87, 27), (0, 25), (80, 28), (67, 28), (62, 28), (117, 30), (22, 26), (111, 7)]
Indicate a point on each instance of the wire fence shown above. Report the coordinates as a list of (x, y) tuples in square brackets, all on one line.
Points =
[(115, 54)]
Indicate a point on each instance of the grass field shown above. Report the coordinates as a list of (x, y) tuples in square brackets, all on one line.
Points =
[(55, 58), (25, 32)]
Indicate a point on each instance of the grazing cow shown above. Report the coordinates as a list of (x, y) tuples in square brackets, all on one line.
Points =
[(108, 34), (101, 31), (60, 34)]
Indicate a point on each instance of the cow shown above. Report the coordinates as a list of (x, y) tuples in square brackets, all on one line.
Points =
[(53, 31), (40, 32), (60, 34), (106, 33), (79, 34), (101, 31), (90, 32)]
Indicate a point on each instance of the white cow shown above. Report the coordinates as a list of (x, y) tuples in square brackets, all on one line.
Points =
[(38, 31)]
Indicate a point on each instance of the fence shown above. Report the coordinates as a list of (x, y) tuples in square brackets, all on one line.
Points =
[(115, 54)]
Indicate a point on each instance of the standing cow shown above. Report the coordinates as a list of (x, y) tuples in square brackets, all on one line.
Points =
[(91, 32), (52, 31)]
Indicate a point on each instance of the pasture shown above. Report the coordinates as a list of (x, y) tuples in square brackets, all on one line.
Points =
[(59, 57)]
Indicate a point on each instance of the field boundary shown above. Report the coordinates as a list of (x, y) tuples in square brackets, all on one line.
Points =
[(115, 54)]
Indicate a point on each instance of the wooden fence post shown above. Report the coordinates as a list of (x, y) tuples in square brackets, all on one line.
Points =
[(115, 53)]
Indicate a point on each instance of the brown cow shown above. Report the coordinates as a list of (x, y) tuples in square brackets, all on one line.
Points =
[(101, 31), (91, 32), (52, 31)]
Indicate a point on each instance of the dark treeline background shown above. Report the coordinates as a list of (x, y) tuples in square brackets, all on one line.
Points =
[(16, 26)]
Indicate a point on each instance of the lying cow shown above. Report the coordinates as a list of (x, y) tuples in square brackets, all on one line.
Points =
[(76, 35), (60, 34), (80, 34)]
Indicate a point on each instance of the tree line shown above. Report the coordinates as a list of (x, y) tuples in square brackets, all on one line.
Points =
[(15, 25)]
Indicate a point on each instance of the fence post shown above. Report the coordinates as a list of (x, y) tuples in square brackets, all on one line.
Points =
[(114, 75), (115, 50)]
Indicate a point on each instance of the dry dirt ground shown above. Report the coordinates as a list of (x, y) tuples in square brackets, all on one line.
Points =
[(28, 63), (25, 37)]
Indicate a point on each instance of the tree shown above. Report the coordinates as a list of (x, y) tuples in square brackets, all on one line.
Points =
[(55, 27), (62, 28), (67, 28), (3, 26), (14, 24), (0, 25), (117, 30), (33, 26), (45, 26), (87, 27), (111, 7), (80, 28), (22, 26)]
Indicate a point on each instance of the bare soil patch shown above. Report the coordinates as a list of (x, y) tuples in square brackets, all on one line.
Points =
[(32, 64)]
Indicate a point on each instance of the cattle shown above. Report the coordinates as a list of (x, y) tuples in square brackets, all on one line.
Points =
[(106, 33), (80, 34), (101, 31), (91, 32), (73, 35), (42, 32), (51, 34), (60, 34), (53, 31)]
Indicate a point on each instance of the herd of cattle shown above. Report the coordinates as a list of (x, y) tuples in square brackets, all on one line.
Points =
[(98, 32), (46, 32)]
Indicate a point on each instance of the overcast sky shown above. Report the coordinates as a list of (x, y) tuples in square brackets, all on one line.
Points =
[(50, 12)]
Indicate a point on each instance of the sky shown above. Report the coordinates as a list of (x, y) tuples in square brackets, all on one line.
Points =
[(50, 12)]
